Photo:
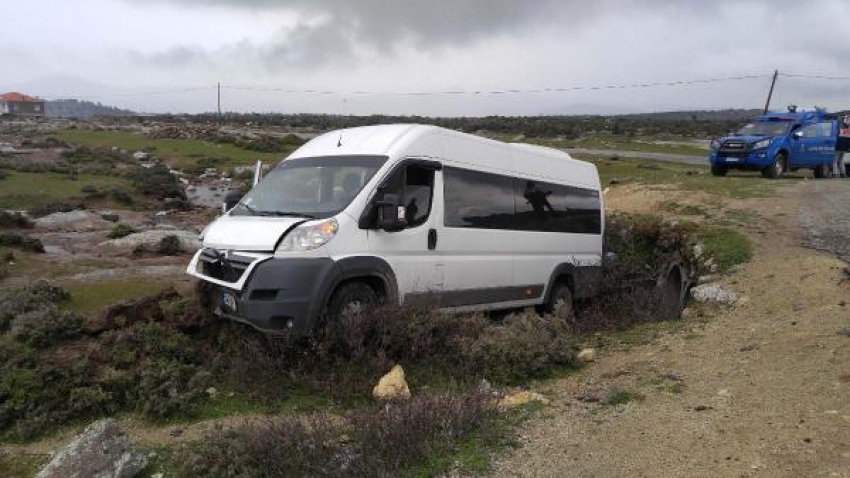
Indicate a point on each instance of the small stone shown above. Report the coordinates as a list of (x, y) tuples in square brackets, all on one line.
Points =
[(522, 398), (212, 392), (674, 376), (798, 306), (109, 216), (844, 331), (587, 355), (176, 432), (702, 408), (713, 293), (749, 347), (392, 386)]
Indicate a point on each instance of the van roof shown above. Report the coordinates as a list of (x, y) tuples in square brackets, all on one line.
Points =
[(394, 139)]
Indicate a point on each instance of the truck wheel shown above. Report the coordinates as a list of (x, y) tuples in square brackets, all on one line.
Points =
[(561, 302), (352, 298), (718, 170), (776, 168)]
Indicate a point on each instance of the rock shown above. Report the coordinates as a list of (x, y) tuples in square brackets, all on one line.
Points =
[(109, 216), (140, 155), (519, 399), (798, 306), (844, 331), (713, 293), (708, 278), (392, 386), (697, 251), (101, 450), (587, 355), (674, 376), (189, 241), (63, 218), (212, 392), (176, 432)]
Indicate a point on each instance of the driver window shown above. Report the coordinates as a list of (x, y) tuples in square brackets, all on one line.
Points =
[(415, 186), (810, 131)]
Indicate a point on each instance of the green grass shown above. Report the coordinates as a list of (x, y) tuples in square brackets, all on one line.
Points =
[(683, 146), (728, 248), (27, 190), (24, 466), (687, 177), (472, 456), (180, 152), (89, 297), (619, 396)]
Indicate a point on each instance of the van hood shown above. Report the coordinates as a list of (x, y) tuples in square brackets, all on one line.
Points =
[(748, 139), (248, 233)]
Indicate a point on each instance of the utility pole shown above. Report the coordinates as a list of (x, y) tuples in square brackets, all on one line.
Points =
[(770, 93), (219, 100)]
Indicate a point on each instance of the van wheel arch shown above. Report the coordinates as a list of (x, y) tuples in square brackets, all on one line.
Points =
[(564, 274)]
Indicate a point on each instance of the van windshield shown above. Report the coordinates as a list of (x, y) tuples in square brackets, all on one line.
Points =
[(317, 187), (764, 128)]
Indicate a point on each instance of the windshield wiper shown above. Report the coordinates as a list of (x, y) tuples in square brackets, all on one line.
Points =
[(250, 209), (286, 213)]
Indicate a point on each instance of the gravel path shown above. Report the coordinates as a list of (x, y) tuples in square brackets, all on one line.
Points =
[(758, 389), (674, 158), (825, 216)]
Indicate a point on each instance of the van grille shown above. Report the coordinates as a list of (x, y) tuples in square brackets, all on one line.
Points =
[(735, 149), (215, 265)]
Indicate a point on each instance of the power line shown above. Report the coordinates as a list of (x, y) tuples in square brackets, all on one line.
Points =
[(816, 77)]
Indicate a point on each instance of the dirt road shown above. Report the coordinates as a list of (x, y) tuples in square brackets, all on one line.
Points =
[(758, 389), (675, 158)]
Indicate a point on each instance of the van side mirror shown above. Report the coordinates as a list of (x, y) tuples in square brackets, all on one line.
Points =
[(797, 134), (391, 215), (231, 199)]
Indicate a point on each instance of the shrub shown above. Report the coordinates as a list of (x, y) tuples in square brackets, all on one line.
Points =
[(3, 175), (167, 387), (15, 220), (45, 326), (54, 207), (169, 246), (11, 239), (158, 182), (383, 440), (89, 189), (121, 196), (120, 230)]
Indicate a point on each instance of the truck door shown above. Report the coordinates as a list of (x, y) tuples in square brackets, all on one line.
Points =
[(814, 146), (412, 251)]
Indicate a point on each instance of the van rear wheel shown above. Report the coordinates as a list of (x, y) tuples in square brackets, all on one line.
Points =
[(351, 299), (561, 302)]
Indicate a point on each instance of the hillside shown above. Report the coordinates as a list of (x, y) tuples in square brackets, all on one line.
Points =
[(71, 108)]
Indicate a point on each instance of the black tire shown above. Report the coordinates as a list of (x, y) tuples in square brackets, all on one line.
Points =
[(719, 170), (776, 167), (672, 298), (560, 302), (352, 298), (822, 171)]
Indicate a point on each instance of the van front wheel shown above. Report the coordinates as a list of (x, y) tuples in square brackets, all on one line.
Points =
[(561, 302), (352, 298), (775, 169)]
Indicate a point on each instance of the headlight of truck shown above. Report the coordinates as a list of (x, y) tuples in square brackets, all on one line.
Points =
[(309, 235), (715, 145), (762, 144)]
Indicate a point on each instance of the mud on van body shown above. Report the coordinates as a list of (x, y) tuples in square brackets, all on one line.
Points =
[(405, 214)]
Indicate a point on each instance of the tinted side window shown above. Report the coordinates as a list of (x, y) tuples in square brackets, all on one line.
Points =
[(556, 208), (476, 199)]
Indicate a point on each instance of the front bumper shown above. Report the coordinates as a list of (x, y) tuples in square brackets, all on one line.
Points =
[(276, 296), (754, 160)]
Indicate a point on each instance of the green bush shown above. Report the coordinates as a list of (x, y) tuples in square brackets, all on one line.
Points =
[(54, 207), (19, 241), (158, 182), (167, 387), (382, 440), (15, 220), (45, 326), (169, 246), (728, 248), (23, 300), (121, 196), (121, 230)]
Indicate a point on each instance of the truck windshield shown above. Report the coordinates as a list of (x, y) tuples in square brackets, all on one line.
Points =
[(317, 187), (764, 128)]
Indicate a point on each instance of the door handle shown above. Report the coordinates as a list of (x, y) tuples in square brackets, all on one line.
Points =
[(432, 239)]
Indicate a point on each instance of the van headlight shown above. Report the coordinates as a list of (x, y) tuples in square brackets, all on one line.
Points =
[(309, 235), (762, 144)]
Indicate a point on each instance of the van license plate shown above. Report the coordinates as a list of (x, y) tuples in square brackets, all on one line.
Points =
[(731, 160), (228, 302)]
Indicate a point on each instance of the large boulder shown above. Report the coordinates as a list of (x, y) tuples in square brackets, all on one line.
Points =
[(713, 293), (102, 450), (392, 386), (189, 241)]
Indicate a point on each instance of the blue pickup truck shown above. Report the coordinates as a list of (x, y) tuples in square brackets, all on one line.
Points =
[(779, 142)]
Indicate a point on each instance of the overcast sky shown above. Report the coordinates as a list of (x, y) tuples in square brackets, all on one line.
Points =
[(121, 51)]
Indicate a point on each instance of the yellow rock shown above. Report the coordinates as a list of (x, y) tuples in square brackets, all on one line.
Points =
[(519, 399), (392, 386), (587, 355)]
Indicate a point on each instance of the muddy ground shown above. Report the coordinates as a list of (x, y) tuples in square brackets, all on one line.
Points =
[(758, 389)]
